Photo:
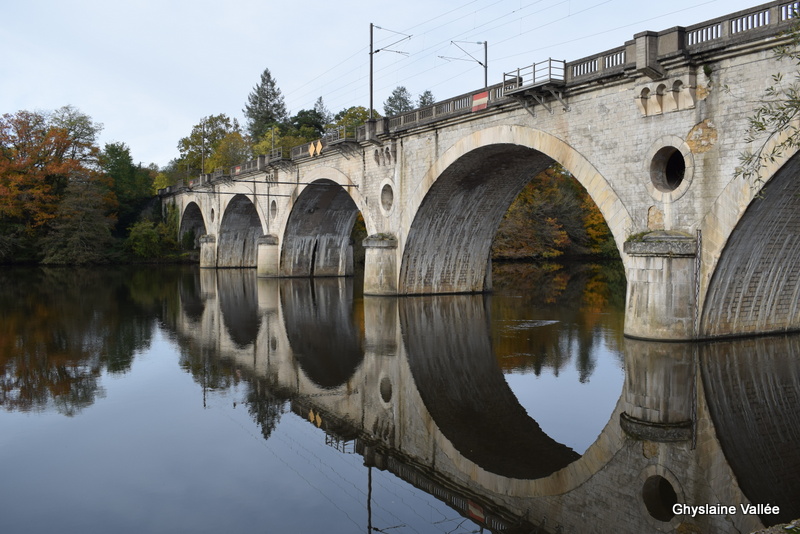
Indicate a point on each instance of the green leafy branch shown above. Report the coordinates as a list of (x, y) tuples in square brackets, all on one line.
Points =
[(774, 123)]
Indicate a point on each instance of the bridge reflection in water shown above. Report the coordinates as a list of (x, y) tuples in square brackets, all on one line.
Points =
[(413, 385)]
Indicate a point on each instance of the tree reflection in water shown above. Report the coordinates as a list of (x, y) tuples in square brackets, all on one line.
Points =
[(416, 387), (60, 329)]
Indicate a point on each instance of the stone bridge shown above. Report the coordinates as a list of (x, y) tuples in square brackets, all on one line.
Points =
[(652, 130)]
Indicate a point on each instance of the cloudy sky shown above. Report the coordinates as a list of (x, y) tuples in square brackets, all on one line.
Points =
[(149, 70)]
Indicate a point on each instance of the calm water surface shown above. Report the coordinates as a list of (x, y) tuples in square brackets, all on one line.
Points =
[(180, 400)]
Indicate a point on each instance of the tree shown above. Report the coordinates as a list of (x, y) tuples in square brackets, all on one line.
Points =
[(352, 117), (553, 216), (322, 111), (265, 106), (231, 150), (82, 133), (132, 184), (171, 174), (308, 123), (398, 102), (775, 118), (426, 99), (41, 153), (81, 231), (204, 140)]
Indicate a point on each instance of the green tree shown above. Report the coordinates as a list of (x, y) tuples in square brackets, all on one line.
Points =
[(426, 99), (352, 117), (82, 133), (204, 140), (81, 231), (132, 184), (265, 106), (283, 140), (172, 173), (143, 239), (307, 123), (231, 150), (398, 102), (322, 111)]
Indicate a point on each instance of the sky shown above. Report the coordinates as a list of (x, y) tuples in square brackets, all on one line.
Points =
[(150, 70)]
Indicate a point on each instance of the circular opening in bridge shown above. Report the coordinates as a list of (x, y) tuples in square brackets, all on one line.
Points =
[(387, 197), (273, 210), (212, 214), (659, 497), (667, 169), (386, 389)]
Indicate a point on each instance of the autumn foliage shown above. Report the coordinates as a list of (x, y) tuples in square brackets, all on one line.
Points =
[(61, 197), (553, 216)]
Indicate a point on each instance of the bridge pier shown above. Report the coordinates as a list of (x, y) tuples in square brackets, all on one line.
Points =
[(268, 263), (380, 265), (208, 251), (661, 299)]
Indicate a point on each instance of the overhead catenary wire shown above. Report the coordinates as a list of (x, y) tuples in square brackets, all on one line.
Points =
[(353, 90)]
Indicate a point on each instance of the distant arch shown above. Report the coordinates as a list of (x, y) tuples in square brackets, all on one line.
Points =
[(193, 222), (239, 231)]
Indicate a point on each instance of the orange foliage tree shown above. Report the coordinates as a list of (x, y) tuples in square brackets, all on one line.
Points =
[(551, 217), (41, 154)]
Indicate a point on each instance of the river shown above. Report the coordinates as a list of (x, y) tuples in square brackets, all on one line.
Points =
[(174, 399)]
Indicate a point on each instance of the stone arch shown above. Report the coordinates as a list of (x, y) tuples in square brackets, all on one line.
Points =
[(192, 221), (239, 231), (316, 239), (755, 286), (465, 194)]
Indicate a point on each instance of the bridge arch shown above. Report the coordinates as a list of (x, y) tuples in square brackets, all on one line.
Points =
[(753, 256), (316, 239), (193, 221), (239, 231), (464, 195)]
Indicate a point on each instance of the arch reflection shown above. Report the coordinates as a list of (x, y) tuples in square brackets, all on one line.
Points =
[(321, 329), (423, 398), (753, 392), (463, 388)]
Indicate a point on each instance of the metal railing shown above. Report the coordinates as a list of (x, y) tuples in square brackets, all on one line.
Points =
[(548, 72)]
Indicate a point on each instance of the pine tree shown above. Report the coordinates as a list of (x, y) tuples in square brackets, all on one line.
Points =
[(398, 102), (265, 106), (426, 99), (319, 107)]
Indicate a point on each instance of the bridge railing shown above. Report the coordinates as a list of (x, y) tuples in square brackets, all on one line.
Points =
[(461, 104), (254, 165), (742, 26), (331, 137), (605, 63), (548, 72)]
